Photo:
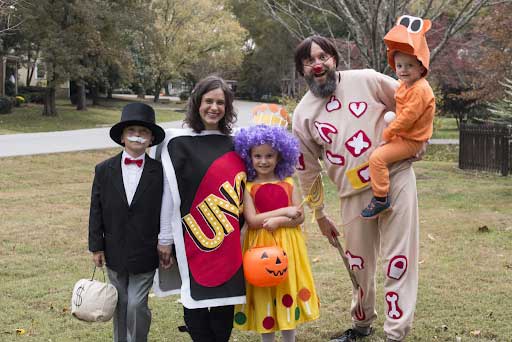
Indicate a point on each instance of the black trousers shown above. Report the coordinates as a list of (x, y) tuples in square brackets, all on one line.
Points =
[(210, 324)]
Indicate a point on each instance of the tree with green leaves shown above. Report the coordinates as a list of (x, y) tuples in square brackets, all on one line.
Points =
[(181, 36), (501, 110)]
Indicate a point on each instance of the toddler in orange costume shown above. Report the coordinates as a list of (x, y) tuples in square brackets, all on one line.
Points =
[(408, 55)]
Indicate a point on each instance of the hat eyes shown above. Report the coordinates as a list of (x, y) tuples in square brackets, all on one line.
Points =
[(413, 24)]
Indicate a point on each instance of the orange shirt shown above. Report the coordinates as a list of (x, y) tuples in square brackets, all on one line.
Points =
[(415, 109)]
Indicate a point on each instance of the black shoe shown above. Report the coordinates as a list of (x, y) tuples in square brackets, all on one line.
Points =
[(375, 208), (351, 335)]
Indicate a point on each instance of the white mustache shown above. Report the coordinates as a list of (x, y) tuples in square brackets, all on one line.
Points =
[(137, 139)]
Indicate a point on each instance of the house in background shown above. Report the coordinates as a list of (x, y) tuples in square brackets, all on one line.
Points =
[(39, 79), (8, 76)]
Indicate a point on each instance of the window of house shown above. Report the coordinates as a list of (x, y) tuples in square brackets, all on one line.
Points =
[(40, 71)]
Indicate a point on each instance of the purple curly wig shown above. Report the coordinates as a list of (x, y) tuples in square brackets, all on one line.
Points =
[(281, 141)]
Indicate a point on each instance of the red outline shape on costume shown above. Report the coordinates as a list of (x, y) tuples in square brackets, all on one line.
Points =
[(324, 129), (352, 149), (350, 257), (329, 155), (358, 104), (393, 259), (331, 100), (400, 312), (359, 312)]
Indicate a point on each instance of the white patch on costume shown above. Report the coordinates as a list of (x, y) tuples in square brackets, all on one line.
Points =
[(357, 108), (358, 143), (300, 163), (359, 308), (394, 311), (364, 174), (333, 104), (397, 267), (335, 159), (324, 129), (355, 261)]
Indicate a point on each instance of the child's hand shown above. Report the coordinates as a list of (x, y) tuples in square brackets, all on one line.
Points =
[(98, 258), (293, 212), (271, 224)]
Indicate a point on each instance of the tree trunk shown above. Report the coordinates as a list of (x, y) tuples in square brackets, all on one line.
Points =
[(81, 101), (166, 88), (109, 93), (94, 95), (141, 92), (50, 109), (157, 88)]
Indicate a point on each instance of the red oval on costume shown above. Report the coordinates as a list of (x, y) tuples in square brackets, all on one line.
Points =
[(268, 323), (214, 267), (270, 197)]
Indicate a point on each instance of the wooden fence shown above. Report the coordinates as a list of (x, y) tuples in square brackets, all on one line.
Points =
[(486, 148)]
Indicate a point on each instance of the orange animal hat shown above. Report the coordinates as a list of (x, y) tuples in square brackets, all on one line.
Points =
[(408, 36)]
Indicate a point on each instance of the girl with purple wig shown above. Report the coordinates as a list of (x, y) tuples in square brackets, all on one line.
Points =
[(273, 214)]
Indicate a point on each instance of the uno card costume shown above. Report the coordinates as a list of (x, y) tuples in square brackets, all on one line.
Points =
[(206, 178)]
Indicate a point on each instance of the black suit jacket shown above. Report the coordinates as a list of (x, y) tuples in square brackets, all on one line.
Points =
[(127, 234)]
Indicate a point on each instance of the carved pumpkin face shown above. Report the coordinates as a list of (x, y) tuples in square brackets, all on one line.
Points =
[(265, 266)]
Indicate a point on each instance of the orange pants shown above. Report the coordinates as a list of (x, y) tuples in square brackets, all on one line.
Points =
[(395, 150)]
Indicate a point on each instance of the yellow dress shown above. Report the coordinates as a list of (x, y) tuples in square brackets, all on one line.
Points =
[(294, 300)]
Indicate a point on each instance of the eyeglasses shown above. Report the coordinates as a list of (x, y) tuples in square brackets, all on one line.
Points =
[(311, 62)]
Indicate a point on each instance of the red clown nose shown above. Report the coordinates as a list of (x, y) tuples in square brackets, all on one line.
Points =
[(318, 68)]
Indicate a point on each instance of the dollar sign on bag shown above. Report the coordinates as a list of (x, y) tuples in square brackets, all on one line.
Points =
[(78, 297)]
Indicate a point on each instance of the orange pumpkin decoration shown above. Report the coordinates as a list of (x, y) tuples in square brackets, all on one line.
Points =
[(265, 266)]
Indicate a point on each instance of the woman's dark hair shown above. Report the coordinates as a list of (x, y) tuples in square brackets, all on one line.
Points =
[(303, 51), (209, 83)]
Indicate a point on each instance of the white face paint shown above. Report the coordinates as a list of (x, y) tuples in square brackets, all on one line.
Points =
[(137, 139)]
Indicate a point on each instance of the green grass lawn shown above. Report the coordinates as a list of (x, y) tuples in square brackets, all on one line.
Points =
[(28, 118), (465, 269)]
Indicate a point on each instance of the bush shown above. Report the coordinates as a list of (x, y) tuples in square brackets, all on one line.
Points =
[(19, 100), (33, 97), (32, 94), (5, 105), (184, 95), (31, 89)]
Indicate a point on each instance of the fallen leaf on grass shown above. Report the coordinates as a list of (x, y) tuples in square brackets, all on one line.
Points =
[(151, 295), (421, 261), (20, 331), (431, 237), (475, 333), (483, 229), (458, 339), (317, 259)]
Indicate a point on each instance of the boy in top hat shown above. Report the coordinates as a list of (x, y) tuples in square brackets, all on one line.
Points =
[(124, 220), (406, 135)]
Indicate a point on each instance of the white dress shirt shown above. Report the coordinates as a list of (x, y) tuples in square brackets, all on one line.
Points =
[(165, 237), (131, 175)]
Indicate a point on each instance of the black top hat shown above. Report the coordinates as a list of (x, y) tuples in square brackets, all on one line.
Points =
[(137, 114)]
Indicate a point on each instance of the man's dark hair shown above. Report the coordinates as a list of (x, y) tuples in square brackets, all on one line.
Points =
[(209, 83), (303, 51)]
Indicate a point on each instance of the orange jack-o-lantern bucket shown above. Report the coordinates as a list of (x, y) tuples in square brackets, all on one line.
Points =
[(265, 266)]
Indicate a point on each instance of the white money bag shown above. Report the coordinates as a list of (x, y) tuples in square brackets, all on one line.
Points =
[(93, 300)]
